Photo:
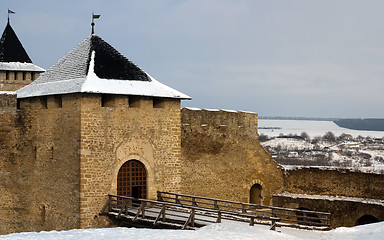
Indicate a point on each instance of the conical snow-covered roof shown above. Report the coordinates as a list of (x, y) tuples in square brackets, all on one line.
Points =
[(94, 66), (13, 56)]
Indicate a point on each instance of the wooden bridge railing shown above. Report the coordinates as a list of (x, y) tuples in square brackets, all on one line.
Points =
[(286, 216), (121, 206)]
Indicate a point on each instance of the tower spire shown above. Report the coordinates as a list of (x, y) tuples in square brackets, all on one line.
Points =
[(94, 16)]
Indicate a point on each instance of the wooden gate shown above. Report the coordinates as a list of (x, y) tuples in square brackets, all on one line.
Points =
[(132, 180)]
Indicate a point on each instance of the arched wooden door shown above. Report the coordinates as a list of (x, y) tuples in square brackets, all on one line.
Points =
[(256, 194), (132, 180)]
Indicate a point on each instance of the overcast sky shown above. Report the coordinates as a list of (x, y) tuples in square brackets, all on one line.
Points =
[(310, 58)]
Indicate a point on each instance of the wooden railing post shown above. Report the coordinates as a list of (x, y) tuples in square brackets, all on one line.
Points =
[(177, 199), (194, 202), (107, 206), (215, 206), (161, 214), (193, 218), (126, 206), (273, 224), (218, 217), (252, 222), (243, 210), (190, 220), (159, 196), (143, 211)]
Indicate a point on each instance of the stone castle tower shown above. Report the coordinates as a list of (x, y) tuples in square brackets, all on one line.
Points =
[(16, 67)]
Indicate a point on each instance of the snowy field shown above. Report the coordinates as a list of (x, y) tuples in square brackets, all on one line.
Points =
[(313, 128), (223, 231)]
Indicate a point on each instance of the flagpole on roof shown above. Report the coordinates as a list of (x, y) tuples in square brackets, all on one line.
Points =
[(94, 16), (10, 12)]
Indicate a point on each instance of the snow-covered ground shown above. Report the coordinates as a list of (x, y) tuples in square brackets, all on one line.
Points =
[(312, 128), (290, 144), (222, 231), (349, 155)]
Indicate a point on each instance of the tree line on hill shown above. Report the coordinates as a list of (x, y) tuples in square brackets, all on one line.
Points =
[(328, 137)]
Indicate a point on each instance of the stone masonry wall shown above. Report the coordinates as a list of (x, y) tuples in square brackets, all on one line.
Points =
[(41, 171), (122, 130), (334, 182), (222, 157), (345, 211), (9, 198)]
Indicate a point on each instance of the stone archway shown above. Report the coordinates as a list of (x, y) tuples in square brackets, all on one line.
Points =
[(132, 180), (366, 219), (256, 194)]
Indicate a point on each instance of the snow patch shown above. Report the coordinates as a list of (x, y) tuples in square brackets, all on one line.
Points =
[(332, 198), (8, 92), (223, 231), (19, 66)]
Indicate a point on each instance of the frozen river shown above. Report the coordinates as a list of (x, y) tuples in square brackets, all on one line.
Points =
[(313, 128)]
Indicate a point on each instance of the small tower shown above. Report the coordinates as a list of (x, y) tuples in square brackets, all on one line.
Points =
[(16, 68)]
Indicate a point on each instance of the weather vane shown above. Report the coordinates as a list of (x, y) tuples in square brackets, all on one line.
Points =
[(94, 16), (12, 12)]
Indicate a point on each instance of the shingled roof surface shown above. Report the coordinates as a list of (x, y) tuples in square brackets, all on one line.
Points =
[(11, 49), (94, 66)]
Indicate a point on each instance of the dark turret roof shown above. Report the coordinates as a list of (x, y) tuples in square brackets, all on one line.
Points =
[(94, 66), (11, 49)]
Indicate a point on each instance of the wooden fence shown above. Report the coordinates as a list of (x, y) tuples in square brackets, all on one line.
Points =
[(286, 216)]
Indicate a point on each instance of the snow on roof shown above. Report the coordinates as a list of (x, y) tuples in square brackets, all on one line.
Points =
[(215, 110), (373, 169), (247, 112), (332, 198), (193, 109), (228, 110), (19, 66), (8, 92), (94, 66)]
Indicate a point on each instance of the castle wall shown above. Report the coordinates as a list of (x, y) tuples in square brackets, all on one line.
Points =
[(126, 128), (345, 211), (334, 182), (222, 157), (346, 194), (8, 184), (41, 168)]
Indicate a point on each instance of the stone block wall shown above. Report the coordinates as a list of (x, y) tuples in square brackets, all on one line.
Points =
[(222, 156), (341, 182), (345, 211), (9, 184), (115, 129), (42, 171)]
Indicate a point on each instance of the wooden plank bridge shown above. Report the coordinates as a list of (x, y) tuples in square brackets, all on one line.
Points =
[(182, 211)]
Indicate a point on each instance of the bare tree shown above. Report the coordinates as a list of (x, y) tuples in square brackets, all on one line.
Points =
[(305, 136), (329, 137), (263, 138), (316, 140)]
